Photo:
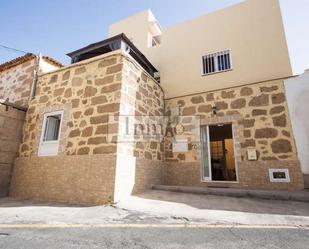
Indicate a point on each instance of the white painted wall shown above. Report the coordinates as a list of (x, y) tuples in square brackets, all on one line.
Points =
[(297, 92), (46, 67), (253, 30)]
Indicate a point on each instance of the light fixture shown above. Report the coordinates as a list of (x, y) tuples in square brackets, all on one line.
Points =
[(214, 109)]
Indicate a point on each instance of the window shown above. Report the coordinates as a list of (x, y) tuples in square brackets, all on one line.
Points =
[(153, 40), (279, 175), (216, 62), (50, 136), (52, 127)]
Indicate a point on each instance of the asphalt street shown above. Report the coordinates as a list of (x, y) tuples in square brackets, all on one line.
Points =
[(149, 237)]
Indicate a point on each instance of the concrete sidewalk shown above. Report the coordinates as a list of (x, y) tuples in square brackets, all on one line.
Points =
[(159, 207), (302, 196), (219, 209)]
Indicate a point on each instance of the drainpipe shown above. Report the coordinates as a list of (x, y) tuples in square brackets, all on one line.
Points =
[(35, 76)]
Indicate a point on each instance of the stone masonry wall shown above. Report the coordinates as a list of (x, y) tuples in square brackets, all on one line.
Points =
[(93, 95), (139, 161), (260, 119), (263, 117), (143, 99), (15, 83), (11, 121), (84, 169), (88, 93)]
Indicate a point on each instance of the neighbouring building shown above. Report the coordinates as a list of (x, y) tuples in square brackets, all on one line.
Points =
[(16, 80), (297, 92), (202, 103)]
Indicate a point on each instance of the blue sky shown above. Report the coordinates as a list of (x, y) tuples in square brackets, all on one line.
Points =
[(57, 27)]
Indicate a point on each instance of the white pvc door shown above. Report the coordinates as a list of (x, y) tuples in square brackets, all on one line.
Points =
[(205, 154)]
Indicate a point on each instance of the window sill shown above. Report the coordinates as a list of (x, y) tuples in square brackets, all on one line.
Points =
[(217, 72)]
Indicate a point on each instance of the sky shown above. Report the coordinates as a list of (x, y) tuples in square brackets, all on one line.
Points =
[(58, 27)]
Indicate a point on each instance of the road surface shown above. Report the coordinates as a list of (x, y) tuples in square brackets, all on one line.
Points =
[(146, 237)]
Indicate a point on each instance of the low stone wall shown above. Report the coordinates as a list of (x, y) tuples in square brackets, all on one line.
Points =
[(255, 175), (71, 179), (11, 121), (251, 175), (83, 179)]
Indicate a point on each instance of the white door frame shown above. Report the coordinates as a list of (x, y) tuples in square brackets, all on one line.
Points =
[(209, 179)]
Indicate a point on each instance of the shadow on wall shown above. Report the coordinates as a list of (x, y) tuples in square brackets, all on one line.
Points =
[(135, 175)]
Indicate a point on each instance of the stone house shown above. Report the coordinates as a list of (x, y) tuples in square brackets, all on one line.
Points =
[(16, 81), (151, 106)]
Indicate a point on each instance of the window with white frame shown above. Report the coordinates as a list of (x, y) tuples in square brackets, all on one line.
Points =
[(279, 175), (50, 136), (52, 127), (216, 62)]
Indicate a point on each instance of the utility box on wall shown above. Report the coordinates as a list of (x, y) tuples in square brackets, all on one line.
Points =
[(251, 153), (180, 145)]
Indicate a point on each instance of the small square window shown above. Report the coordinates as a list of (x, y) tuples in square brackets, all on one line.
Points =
[(216, 62)]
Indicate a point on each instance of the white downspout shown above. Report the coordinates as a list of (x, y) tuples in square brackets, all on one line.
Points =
[(35, 76)]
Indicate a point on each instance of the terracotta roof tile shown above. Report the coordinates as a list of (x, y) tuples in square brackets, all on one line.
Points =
[(16, 61), (19, 60), (53, 61)]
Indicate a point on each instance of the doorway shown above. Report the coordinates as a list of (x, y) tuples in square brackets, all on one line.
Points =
[(217, 150)]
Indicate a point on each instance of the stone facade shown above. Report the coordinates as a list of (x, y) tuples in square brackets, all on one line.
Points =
[(260, 119), (143, 99), (93, 95), (15, 83), (88, 93), (11, 121), (16, 79), (98, 96)]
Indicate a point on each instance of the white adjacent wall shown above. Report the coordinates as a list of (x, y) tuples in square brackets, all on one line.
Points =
[(297, 92)]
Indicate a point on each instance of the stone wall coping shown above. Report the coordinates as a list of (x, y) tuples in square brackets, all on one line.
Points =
[(100, 57), (84, 62)]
